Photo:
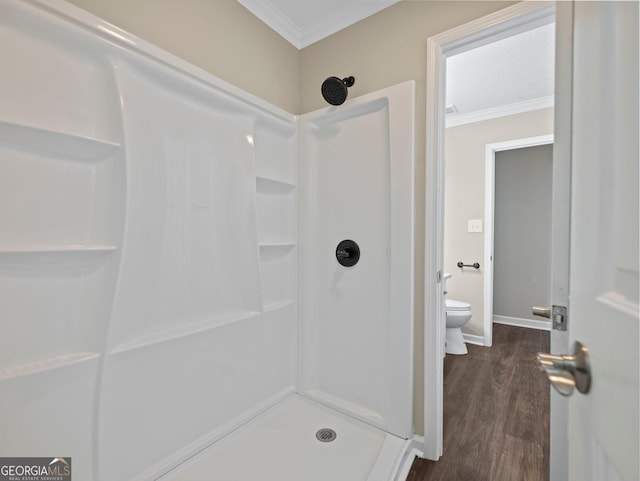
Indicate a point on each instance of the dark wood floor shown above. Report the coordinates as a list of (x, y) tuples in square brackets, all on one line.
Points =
[(496, 413)]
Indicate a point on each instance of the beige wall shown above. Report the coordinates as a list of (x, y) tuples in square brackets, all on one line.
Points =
[(464, 199), (384, 49), (219, 36), (379, 51)]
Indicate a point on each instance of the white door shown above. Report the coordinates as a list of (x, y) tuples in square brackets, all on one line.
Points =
[(602, 425)]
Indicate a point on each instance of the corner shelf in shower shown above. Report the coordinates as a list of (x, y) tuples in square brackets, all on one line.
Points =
[(57, 362), (62, 144), (267, 185), (274, 306), (52, 256), (274, 250), (183, 331), (285, 246)]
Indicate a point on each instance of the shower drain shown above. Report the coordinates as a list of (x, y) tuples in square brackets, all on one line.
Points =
[(326, 435)]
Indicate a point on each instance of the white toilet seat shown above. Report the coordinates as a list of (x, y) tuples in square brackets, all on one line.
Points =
[(453, 305)]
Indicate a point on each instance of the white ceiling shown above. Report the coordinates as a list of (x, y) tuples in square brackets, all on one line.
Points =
[(303, 22), (517, 71)]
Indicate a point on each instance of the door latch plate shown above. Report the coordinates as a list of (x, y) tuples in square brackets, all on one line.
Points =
[(559, 318)]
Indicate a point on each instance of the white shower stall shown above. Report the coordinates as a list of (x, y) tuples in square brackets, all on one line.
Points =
[(172, 306)]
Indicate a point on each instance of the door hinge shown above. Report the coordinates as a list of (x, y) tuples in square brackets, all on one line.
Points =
[(559, 318)]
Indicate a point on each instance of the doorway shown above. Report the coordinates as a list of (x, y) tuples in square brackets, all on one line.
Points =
[(508, 22), (515, 282)]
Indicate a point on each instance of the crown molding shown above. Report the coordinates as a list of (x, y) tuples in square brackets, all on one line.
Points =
[(502, 111), (301, 36)]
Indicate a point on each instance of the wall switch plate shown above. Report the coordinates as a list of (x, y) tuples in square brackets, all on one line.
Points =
[(474, 225)]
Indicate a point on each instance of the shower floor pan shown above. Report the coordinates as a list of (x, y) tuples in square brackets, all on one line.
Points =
[(281, 445)]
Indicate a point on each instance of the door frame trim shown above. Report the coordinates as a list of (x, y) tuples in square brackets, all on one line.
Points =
[(501, 24)]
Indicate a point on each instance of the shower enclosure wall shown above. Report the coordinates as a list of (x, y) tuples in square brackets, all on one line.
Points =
[(355, 322), (149, 256)]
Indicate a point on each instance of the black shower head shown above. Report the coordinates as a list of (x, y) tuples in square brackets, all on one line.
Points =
[(334, 90)]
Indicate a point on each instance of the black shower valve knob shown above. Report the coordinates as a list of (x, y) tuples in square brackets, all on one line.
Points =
[(347, 253)]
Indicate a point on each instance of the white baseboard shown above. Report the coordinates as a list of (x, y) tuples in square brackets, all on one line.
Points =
[(473, 339), (520, 322)]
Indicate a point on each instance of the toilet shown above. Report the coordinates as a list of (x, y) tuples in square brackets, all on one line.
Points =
[(458, 314)]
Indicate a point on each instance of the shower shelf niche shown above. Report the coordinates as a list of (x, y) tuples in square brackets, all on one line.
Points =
[(272, 186), (53, 255), (275, 248), (69, 146), (274, 306), (57, 362), (187, 330), (278, 274)]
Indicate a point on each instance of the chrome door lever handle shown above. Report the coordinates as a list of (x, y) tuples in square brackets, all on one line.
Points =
[(568, 372)]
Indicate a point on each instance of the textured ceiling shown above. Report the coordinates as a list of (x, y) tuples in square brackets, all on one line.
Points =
[(516, 69)]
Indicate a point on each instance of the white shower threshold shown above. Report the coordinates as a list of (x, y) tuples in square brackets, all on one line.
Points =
[(281, 445)]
